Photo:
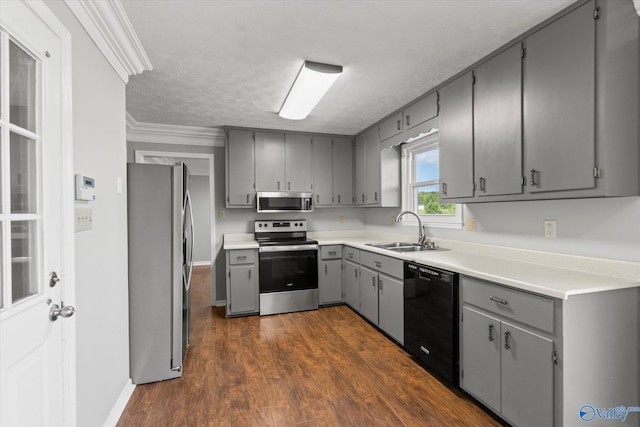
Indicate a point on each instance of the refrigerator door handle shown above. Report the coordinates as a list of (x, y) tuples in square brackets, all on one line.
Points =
[(190, 261)]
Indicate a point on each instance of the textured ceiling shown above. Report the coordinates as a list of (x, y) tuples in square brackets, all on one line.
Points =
[(232, 63)]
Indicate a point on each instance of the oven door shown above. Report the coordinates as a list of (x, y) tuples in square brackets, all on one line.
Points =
[(288, 268)]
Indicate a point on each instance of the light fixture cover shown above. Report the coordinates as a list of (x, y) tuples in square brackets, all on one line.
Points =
[(313, 81)]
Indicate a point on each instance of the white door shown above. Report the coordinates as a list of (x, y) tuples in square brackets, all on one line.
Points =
[(31, 370)]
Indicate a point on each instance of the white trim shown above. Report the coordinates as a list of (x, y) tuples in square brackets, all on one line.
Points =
[(109, 27), (139, 156), (636, 4), (202, 264), (67, 271), (173, 134), (121, 403)]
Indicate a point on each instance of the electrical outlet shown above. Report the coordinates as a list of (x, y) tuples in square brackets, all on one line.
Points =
[(340, 219), (471, 224), (221, 214), (550, 228)]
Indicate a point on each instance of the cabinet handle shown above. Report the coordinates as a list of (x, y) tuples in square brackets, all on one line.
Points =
[(375, 196), (278, 185), (378, 264), (363, 198), (325, 269), (380, 281), (249, 274), (373, 281), (533, 177), (289, 185), (338, 198), (332, 253), (408, 120), (490, 332), (483, 184), (399, 125), (247, 198), (317, 198), (507, 335), (498, 300), (444, 188), (356, 272), (241, 257)]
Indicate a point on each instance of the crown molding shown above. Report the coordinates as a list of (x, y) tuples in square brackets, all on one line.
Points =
[(109, 27), (173, 134)]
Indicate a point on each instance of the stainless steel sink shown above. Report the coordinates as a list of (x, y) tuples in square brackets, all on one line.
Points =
[(404, 247)]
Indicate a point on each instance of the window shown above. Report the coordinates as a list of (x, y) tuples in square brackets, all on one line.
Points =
[(421, 185)]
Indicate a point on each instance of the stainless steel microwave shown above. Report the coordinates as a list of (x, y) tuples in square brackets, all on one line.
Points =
[(283, 202)]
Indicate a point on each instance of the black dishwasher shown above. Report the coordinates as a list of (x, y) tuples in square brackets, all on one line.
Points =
[(431, 318)]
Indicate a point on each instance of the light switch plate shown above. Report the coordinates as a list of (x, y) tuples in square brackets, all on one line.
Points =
[(550, 228), (84, 219)]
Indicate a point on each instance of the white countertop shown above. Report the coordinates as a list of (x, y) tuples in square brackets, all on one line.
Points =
[(554, 275)]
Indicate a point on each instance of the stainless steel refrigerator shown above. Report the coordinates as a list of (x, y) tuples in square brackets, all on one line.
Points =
[(160, 226)]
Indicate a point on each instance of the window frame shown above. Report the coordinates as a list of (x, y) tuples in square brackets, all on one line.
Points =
[(409, 200)]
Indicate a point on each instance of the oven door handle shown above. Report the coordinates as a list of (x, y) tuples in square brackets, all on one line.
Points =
[(288, 248)]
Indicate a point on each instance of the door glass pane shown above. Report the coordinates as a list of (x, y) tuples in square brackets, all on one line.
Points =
[(1, 268), (22, 88), (428, 200), (23, 260), (427, 166), (23, 174)]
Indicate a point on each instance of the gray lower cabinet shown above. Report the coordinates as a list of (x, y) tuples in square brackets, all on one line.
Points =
[(391, 306), (351, 284), (508, 351), (369, 294), (242, 282), (330, 275)]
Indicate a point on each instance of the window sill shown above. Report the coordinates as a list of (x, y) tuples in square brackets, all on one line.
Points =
[(432, 224)]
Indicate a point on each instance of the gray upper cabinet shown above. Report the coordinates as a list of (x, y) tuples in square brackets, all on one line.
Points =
[(298, 162), (456, 138), (322, 171), (391, 126), (343, 172), (498, 124), (361, 170), (269, 150), (239, 166), (420, 111), (559, 103), (373, 167)]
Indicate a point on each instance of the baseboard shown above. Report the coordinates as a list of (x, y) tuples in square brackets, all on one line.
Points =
[(201, 263), (121, 403), (221, 303)]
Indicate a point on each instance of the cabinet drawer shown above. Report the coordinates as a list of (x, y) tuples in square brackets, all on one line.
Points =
[(331, 252), (384, 264), (242, 256), (534, 310), (352, 254)]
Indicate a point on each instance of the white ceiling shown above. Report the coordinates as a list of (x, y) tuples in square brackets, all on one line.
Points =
[(232, 63)]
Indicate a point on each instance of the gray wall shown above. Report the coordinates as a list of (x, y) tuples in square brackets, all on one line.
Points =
[(99, 144), (200, 195)]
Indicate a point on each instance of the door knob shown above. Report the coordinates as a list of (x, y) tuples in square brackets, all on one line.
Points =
[(57, 311)]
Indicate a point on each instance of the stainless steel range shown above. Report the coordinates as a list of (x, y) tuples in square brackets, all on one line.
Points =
[(288, 266)]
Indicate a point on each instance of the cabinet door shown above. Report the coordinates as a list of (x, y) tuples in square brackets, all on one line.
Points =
[(298, 158), (373, 167), (527, 377), (481, 357), (323, 171), (240, 168), (559, 104), (351, 284), (421, 111), (497, 109), (391, 127), (330, 281), (269, 151), (369, 294), (391, 307), (456, 138), (343, 172), (243, 290), (361, 169)]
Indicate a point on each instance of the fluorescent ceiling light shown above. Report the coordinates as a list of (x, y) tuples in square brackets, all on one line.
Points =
[(313, 81)]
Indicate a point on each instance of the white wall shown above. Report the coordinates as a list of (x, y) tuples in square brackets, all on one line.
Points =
[(200, 195), (606, 228), (99, 144)]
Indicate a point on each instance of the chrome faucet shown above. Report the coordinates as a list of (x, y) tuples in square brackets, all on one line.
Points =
[(422, 238)]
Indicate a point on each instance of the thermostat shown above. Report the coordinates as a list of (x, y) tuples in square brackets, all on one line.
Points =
[(85, 188)]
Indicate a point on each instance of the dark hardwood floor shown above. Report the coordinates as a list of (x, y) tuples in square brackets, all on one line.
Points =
[(319, 368)]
